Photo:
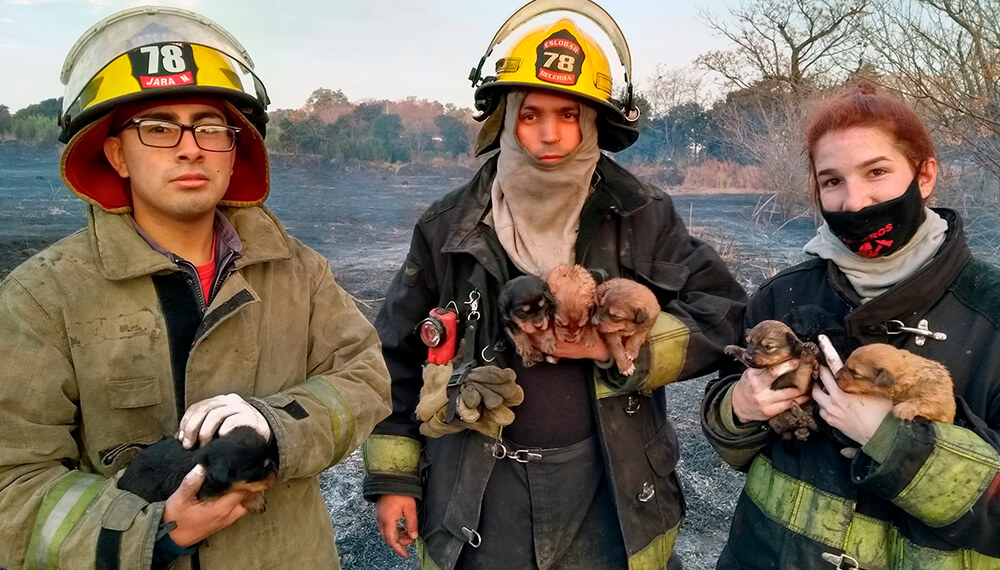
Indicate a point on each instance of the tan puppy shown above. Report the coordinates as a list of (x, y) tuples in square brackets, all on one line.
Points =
[(625, 313), (916, 385), (770, 343), (573, 289)]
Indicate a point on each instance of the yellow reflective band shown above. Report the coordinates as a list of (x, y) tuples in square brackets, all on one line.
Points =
[(957, 473), (603, 390), (655, 555), (668, 344), (831, 520), (61, 509), (391, 455), (341, 416), (425, 559)]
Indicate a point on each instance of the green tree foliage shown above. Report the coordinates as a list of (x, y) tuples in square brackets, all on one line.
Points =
[(455, 137), (5, 120), (35, 129), (47, 108)]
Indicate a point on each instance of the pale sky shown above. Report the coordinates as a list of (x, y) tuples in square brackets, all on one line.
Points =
[(370, 49)]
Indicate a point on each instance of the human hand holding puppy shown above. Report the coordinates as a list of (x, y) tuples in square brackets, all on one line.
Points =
[(755, 401), (857, 416), (197, 519)]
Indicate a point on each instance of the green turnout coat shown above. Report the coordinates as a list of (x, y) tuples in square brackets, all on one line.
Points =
[(87, 375)]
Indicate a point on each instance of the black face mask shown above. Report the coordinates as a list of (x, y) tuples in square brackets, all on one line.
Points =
[(879, 229)]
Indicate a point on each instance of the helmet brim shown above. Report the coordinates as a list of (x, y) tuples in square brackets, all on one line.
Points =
[(614, 131), (88, 174)]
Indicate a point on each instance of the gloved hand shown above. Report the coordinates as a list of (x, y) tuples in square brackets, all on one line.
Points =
[(219, 414)]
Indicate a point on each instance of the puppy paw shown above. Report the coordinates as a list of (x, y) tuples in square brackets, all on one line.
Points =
[(255, 503), (906, 411)]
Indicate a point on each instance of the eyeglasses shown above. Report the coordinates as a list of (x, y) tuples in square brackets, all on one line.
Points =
[(160, 133)]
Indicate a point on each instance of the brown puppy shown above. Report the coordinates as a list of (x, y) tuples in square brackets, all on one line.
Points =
[(773, 342), (625, 313), (240, 460), (916, 385), (526, 305), (573, 288)]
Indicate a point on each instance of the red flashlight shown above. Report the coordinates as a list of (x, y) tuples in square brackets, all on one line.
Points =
[(439, 331)]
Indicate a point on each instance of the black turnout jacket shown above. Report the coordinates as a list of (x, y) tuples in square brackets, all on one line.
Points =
[(627, 229)]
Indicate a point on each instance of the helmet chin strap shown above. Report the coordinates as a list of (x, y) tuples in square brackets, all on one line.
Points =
[(586, 8)]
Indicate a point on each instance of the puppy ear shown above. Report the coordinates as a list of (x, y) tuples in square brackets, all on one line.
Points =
[(884, 379), (793, 341), (640, 316), (548, 297)]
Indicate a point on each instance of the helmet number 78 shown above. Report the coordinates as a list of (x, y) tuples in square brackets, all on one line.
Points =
[(566, 61), (171, 55)]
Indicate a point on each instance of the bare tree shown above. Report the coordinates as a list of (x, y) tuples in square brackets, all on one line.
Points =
[(671, 87), (797, 43), (944, 57), (766, 128)]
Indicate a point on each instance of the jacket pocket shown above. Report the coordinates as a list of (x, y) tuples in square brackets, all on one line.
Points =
[(663, 275), (134, 393)]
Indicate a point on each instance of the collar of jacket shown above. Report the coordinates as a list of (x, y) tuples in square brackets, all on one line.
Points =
[(916, 294), (121, 253), (624, 192)]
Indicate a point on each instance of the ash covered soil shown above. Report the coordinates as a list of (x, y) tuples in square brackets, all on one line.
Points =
[(362, 222)]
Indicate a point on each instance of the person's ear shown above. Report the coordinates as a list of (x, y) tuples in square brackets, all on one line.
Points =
[(115, 154), (927, 177)]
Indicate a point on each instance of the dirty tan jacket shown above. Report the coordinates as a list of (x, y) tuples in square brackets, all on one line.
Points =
[(85, 370)]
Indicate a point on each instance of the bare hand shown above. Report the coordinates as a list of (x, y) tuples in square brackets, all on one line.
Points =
[(219, 414), (753, 398), (856, 416), (389, 511), (598, 350), (196, 519)]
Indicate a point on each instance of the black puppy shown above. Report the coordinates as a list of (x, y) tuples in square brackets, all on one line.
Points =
[(526, 305), (810, 321), (240, 460)]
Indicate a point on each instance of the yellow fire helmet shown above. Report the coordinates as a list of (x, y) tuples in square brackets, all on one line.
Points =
[(146, 55), (563, 58)]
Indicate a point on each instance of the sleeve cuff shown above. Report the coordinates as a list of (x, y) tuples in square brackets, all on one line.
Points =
[(728, 417), (880, 445)]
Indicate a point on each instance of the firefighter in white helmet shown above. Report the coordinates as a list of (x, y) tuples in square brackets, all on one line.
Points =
[(572, 465), (183, 310)]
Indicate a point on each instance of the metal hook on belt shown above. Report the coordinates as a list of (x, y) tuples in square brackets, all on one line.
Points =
[(500, 451), (921, 331), (842, 561)]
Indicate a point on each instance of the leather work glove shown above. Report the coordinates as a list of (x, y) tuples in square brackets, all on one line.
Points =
[(489, 388), (434, 400), (483, 403)]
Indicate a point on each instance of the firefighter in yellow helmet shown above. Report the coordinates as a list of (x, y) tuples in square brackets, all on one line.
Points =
[(565, 464), (183, 311)]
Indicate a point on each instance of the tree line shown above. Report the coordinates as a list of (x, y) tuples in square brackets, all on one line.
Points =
[(732, 117)]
